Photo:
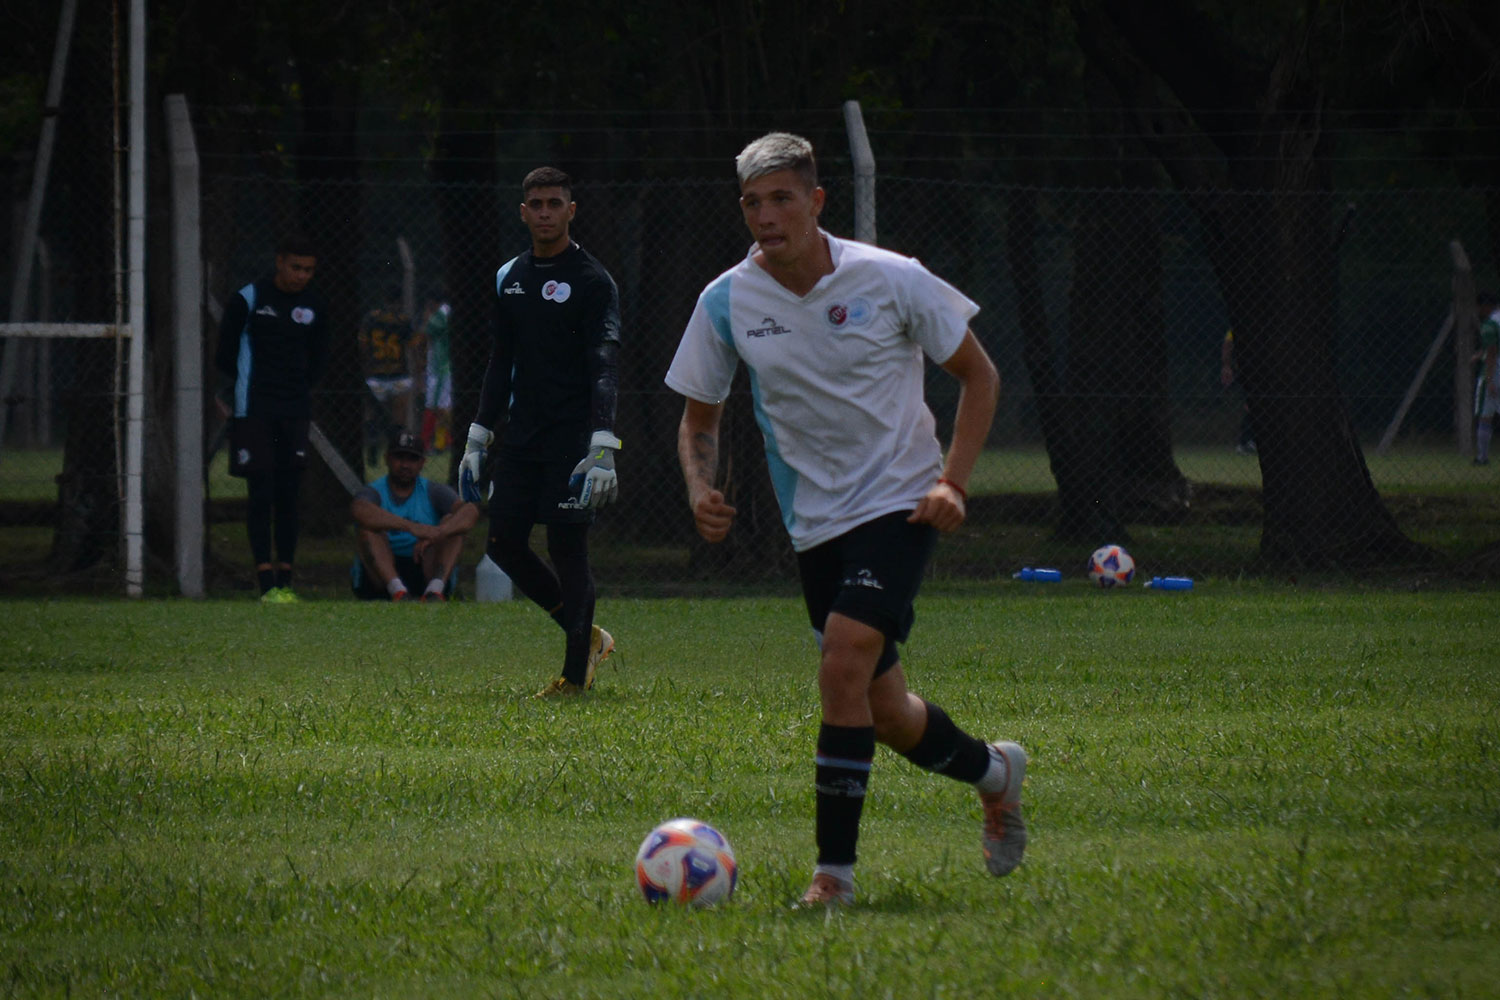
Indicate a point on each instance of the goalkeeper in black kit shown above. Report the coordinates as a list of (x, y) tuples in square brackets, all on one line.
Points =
[(548, 408), (272, 351)]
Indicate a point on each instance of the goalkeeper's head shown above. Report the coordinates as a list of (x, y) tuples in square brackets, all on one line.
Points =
[(296, 260), (777, 151), (547, 177), (547, 209)]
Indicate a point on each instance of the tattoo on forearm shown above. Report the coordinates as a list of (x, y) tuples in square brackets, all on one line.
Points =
[(703, 460)]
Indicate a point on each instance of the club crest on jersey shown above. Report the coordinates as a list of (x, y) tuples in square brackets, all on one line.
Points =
[(302, 315), (557, 291), (768, 328), (856, 312)]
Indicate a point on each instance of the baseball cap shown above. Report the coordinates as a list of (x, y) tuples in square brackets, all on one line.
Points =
[(404, 441)]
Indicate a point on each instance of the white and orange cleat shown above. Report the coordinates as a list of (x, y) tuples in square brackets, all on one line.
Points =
[(1004, 830), (601, 644), (827, 890)]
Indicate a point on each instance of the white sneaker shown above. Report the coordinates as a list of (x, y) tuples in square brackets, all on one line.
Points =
[(1004, 830)]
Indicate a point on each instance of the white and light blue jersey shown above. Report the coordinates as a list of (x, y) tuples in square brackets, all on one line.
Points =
[(836, 378)]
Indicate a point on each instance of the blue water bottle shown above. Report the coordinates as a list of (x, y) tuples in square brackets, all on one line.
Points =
[(1171, 583), (1029, 575)]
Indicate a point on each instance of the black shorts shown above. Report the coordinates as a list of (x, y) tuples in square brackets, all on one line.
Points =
[(870, 573), (367, 587), (267, 444), (535, 492)]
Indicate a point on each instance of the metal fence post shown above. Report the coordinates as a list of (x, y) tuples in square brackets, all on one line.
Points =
[(135, 400), (187, 326), (864, 172)]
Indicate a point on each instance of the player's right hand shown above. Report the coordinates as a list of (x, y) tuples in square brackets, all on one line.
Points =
[(712, 516), (944, 507), (471, 468)]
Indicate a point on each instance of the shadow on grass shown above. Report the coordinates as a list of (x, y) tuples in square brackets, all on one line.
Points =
[(1217, 535)]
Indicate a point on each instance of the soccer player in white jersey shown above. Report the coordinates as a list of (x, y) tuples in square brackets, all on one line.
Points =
[(833, 333)]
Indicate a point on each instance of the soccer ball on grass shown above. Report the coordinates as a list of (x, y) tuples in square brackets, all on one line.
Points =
[(686, 861), (1111, 566)]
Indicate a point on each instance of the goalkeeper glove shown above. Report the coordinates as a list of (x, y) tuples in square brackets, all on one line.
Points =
[(593, 479), (471, 468)]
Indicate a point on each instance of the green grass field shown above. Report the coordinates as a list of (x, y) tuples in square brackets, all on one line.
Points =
[(31, 475), (1248, 790), (1432, 469), (1409, 468), (1438, 500)]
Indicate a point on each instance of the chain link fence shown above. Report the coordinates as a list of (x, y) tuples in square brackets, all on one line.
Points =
[(64, 425), (1110, 303)]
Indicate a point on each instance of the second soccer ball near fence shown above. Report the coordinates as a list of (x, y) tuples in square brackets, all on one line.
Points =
[(1111, 566)]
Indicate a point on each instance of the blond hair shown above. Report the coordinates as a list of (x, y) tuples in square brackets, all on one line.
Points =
[(777, 151)]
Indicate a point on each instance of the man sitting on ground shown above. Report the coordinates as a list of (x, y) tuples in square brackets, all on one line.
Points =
[(411, 529)]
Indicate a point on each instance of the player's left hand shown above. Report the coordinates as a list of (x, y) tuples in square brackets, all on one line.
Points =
[(593, 479), (471, 468), (943, 507)]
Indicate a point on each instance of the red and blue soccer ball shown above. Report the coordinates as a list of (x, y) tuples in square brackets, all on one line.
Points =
[(1111, 566), (686, 861)]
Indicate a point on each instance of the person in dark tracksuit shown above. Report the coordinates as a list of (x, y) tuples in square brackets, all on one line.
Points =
[(273, 349), (550, 391)]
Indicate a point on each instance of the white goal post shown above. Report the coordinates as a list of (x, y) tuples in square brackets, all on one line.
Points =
[(133, 267)]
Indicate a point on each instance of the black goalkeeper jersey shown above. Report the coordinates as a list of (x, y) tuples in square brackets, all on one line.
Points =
[(552, 368), (273, 348)]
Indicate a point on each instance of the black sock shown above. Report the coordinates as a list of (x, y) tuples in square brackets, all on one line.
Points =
[(568, 547), (843, 771), (284, 576), (946, 749), (266, 579)]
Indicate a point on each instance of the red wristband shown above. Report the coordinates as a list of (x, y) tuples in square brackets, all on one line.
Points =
[(956, 488)]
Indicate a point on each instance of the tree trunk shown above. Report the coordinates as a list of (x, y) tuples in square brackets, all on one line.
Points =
[(331, 207), (1119, 268), (1262, 195), (88, 521), (1095, 393), (469, 195), (88, 500), (1274, 255), (1150, 484), (1080, 516), (649, 414)]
